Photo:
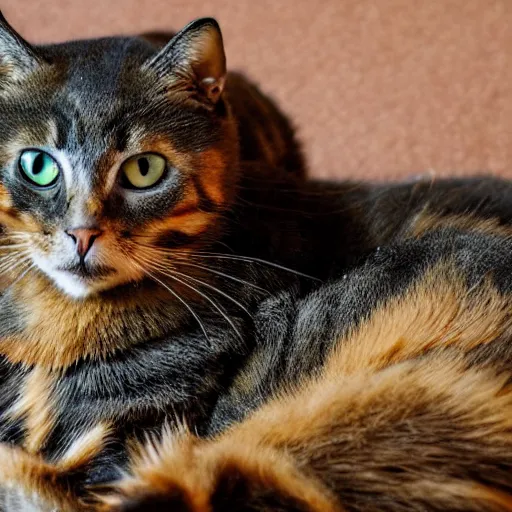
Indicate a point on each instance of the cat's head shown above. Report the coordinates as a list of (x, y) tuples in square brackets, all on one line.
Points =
[(112, 153)]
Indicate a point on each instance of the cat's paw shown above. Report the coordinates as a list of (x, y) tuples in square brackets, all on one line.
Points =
[(28, 482), (185, 474)]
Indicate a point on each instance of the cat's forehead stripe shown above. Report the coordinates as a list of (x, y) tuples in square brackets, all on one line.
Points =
[(97, 68)]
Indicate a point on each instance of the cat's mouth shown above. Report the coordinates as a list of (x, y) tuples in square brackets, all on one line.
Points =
[(88, 272), (80, 279)]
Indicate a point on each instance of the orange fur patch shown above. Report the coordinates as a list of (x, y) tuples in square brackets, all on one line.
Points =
[(36, 406), (195, 468), (46, 484), (40, 483), (85, 448), (213, 167), (192, 224), (60, 331), (438, 311), (157, 476), (425, 222), (5, 199), (14, 220), (188, 204), (94, 206)]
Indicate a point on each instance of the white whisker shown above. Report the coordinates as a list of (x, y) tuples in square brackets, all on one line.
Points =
[(11, 262), (164, 269), (15, 246), (223, 274), (249, 259), (215, 289), (185, 262), (192, 312), (245, 259), (209, 299), (23, 274)]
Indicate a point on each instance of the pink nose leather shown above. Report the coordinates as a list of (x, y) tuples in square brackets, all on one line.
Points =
[(83, 238)]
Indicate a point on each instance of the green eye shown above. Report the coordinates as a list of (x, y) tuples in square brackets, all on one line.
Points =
[(143, 171), (38, 168)]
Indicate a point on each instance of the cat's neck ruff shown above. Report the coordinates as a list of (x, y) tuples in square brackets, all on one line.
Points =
[(54, 330)]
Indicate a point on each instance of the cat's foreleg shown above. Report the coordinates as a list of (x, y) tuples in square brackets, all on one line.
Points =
[(28, 482), (428, 434)]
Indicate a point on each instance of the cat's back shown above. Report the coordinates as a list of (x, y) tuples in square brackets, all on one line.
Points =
[(445, 243)]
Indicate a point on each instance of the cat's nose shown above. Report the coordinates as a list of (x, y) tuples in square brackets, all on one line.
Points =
[(83, 238)]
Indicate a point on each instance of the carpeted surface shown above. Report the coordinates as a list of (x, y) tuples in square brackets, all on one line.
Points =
[(378, 88)]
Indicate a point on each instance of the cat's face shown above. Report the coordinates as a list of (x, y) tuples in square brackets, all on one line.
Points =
[(112, 153)]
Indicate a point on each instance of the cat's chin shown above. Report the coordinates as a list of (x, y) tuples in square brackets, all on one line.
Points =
[(78, 287), (75, 287)]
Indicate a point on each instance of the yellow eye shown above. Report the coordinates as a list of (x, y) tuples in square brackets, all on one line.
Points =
[(143, 171)]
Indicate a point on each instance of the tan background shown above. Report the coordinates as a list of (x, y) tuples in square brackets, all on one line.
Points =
[(378, 88)]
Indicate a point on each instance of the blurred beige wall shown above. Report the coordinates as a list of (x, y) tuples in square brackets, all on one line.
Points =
[(378, 88)]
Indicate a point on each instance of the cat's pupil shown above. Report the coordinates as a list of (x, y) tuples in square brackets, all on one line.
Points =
[(38, 164), (143, 166)]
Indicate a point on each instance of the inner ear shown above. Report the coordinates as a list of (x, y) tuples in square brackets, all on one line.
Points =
[(195, 58), (207, 60)]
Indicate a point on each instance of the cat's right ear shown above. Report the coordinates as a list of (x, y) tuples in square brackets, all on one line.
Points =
[(193, 60), (17, 57)]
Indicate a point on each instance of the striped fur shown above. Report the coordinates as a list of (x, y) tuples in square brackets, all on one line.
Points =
[(266, 343), (410, 408)]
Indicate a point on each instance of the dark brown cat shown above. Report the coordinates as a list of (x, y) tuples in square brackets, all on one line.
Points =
[(158, 350), (114, 155)]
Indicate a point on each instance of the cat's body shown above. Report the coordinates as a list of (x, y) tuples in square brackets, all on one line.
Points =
[(443, 259), (56, 97), (297, 346)]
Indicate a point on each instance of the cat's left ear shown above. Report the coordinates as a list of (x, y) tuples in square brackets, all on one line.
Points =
[(194, 59), (17, 57)]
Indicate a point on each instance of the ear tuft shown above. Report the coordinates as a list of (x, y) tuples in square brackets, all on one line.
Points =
[(194, 58)]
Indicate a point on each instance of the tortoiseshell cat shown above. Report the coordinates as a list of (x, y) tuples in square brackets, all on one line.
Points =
[(151, 219)]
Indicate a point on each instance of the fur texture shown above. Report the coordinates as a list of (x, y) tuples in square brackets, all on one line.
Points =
[(236, 338)]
